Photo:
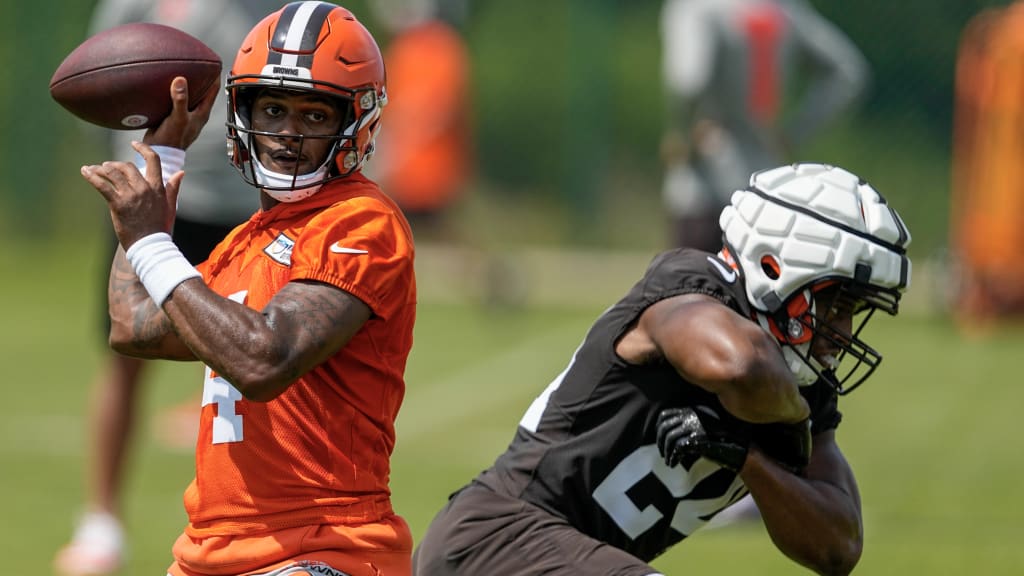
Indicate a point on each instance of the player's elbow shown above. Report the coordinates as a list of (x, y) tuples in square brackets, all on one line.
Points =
[(841, 562), (260, 382), (125, 341), (120, 346), (261, 393), (259, 390), (117, 341), (836, 558), (120, 335)]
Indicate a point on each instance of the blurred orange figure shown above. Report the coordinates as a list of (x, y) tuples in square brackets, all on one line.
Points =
[(987, 211), (424, 151)]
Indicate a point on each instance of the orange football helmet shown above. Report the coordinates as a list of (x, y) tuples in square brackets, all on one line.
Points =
[(311, 47)]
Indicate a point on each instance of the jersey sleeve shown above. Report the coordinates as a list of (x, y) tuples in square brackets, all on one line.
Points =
[(360, 245), (688, 271)]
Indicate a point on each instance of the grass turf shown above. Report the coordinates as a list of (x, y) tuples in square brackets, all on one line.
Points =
[(933, 436)]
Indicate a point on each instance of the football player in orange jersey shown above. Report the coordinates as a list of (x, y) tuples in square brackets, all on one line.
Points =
[(303, 315)]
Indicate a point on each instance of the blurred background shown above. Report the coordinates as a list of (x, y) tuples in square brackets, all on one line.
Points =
[(568, 110), (561, 213)]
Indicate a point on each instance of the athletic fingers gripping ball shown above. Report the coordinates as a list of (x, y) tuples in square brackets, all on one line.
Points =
[(120, 78)]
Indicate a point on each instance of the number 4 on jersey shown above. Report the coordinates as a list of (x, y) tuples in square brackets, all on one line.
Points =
[(227, 424)]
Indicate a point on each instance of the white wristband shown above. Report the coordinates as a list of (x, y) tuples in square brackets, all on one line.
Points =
[(159, 265), (172, 160)]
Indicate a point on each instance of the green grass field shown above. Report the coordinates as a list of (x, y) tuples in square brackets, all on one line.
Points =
[(934, 436)]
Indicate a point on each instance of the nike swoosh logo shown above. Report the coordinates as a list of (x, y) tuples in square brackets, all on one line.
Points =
[(339, 249), (728, 274)]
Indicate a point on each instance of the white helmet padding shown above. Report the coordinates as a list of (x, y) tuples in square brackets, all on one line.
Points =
[(798, 227), (816, 222)]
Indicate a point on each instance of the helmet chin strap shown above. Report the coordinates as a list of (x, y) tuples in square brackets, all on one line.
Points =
[(795, 358), (289, 188)]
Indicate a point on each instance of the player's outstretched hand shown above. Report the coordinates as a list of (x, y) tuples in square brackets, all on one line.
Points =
[(686, 433), (182, 127)]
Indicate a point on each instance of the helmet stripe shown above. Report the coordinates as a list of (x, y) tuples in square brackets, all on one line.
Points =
[(296, 34), (897, 248)]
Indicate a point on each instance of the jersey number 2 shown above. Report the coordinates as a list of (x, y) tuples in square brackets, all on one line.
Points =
[(689, 513), (612, 495)]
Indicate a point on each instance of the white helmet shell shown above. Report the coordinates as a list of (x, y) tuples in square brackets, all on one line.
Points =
[(799, 224)]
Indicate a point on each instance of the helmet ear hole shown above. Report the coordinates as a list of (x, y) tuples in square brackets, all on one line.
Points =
[(770, 267)]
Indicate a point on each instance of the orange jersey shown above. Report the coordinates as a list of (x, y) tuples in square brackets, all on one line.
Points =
[(987, 208), (318, 453), (423, 155)]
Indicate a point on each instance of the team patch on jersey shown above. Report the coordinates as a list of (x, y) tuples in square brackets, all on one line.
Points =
[(280, 250)]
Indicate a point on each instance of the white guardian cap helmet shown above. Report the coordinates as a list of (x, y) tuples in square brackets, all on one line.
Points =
[(802, 228)]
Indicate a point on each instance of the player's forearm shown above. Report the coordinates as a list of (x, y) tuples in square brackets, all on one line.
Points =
[(236, 342), (813, 522)]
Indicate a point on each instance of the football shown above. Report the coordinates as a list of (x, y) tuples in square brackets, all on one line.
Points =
[(120, 78)]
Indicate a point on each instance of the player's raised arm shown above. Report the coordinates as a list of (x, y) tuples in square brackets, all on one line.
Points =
[(714, 347), (142, 199)]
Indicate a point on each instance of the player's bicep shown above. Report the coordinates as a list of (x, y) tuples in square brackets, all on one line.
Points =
[(314, 320), (708, 343), (713, 347)]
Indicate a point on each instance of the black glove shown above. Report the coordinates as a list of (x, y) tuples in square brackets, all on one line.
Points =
[(685, 432), (787, 444)]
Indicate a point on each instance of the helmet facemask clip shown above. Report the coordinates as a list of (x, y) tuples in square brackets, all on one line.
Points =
[(848, 360)]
